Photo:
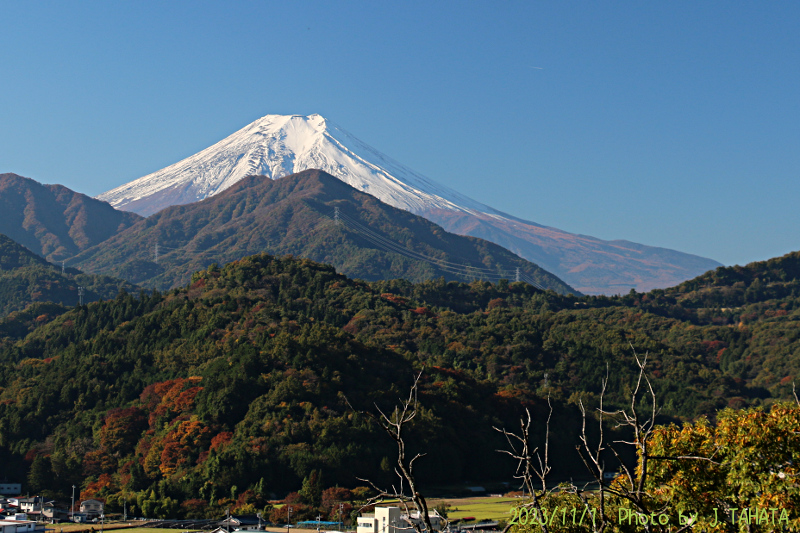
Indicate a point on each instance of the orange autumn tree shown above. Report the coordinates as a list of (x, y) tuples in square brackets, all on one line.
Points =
[(738, 475), (182, 444), (175, 437), (121, 429)]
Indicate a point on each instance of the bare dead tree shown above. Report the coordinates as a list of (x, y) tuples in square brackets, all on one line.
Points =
[(393, 425), (592, 458), (640, 422), (527, 471)]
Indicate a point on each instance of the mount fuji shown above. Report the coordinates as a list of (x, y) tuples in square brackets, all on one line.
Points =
[(280, 145)]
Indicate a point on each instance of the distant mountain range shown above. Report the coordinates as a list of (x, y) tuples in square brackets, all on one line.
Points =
[(54, 221), (297, 215), (278, 145)]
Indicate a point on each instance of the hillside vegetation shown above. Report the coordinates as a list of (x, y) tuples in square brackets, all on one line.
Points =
[(295, 215), (234, 384), (26, 278)]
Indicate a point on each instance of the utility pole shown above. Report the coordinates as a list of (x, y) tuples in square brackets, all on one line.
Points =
[(288, 519), (80, 295), (341, 506), (72, 509)]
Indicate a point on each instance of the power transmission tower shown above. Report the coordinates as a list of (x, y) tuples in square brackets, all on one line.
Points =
[(155, 254), (336, 215), (62, 266), (517, 278), (80, 295)]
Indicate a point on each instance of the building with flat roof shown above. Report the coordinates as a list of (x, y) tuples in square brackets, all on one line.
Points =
[(395, 520), (20, 526)]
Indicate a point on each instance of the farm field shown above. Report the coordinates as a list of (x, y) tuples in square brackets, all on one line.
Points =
[(482, 508), (74, 528)]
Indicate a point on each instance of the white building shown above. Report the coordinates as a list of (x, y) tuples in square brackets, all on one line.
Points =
[(19, 526), (395, 520), (92, 508)]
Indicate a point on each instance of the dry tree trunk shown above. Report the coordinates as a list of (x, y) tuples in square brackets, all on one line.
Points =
[(393, 425), (520, 449)]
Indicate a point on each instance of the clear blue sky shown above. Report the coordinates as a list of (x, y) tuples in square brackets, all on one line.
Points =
[(673, 124)]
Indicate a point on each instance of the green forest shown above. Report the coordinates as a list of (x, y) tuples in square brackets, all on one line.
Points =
[(231, 391), (26, 278)]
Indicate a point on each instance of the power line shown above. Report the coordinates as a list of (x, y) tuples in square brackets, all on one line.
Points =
[(467, 271), (460, 269), (416, 255), (391, 246)]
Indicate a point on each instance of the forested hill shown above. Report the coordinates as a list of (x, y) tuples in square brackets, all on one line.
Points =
[(295, 215), (26, 278), (739, 285), (238, 379), (54, 221)]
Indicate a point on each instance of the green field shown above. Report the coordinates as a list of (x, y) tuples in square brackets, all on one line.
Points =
[(69, 528), (483, 508)]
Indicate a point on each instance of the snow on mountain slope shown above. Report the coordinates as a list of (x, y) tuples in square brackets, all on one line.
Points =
[(279, 145)]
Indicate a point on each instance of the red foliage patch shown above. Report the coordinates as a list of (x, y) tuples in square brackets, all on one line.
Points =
[(394, 298), (221, 440), (170, 397)]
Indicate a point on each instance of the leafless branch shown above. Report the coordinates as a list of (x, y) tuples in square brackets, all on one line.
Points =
[(393, 425), (520, 449), (592, 456)]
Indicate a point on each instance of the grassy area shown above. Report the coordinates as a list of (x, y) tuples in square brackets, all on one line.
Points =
[(69, 527), (482, 508), (147, 530), (73, 528)]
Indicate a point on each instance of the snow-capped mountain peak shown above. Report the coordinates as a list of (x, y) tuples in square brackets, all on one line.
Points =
[(279, 145)]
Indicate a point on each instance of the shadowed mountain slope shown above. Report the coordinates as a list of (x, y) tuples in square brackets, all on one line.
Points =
[(295, 215), (54, 221)]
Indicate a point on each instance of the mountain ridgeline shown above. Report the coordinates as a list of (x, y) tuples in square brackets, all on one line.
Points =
[(54, 221), (311, 215)]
